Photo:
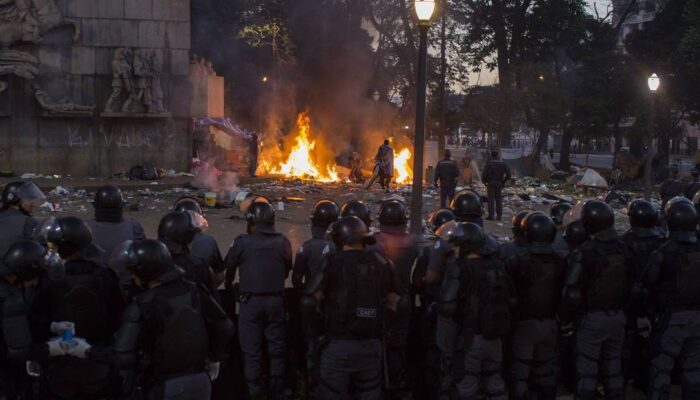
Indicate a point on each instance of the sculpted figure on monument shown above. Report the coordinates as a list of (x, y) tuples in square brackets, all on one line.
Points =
[(122, 81), (62, 107), (28, 20)]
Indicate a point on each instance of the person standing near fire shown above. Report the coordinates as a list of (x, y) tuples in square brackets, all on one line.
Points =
[(446, 174), (384, 166), (496, 174)]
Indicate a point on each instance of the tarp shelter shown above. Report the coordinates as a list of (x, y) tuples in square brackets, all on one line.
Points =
[(224, 144), (587, 177)]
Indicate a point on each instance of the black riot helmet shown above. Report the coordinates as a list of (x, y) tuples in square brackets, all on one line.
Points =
[(325, 213), (393, 213), (29, 260), (467, 204), (537, 227), (109, 196), (68, 235), (469, 237), (642, 214), (356, 208), (262, 215), (177, 228), (557, 211), (9, 193), (597, 216), (675, 200), (575, 234), (348, 231), (188, 204), (517, 222), (147, 260), (681, 217), (440, 217)]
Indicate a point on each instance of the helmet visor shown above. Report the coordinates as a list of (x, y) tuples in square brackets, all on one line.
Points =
[(574, 214), (30, 195), (198, 221), (51, 233)]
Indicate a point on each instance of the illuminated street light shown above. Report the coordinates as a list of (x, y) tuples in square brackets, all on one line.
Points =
[(424, 10), (653, 82)]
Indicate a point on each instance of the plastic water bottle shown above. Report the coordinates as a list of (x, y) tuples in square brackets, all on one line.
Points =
[(67, 341)]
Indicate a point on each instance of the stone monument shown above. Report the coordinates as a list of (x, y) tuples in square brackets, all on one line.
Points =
[(94, 87)]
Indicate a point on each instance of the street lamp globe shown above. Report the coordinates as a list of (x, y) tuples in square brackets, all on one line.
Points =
[(424, 10), (654, 82)]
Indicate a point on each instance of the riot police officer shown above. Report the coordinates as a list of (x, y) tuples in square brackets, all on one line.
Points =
[(307, 264), (479, 288), (496, 175), (356, 291), (575, 235), (467, 207), (173, 332), (203, 246), (356, 208), (557, 212), (23, 265), (517, 245), (308, 258), (427, 319), (538, 276), (88, 295), (177, 230), (643, 237), (264, 259), (18, 202), (596, 287), (672, 278), (109, 227), (401, 249), (446, 174)]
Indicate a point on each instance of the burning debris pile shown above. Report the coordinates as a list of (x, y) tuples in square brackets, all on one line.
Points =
[(310, 158)]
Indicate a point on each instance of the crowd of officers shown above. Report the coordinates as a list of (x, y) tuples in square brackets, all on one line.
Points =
[(94, 310)]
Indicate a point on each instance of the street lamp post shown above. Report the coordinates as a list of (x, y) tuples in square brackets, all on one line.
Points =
[(424, 11), (653, 82)]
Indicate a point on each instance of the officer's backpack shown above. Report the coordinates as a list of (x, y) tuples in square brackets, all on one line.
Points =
[(608, 289), (494, 301), (687, 280), (362, 301), (542, 289), (176, 333), (81, 301)]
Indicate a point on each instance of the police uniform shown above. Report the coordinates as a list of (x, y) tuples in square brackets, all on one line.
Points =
[(496, 174), (307, 262), (108, 235), (512, 249), (263, 261), (16, 225), (598, 279), (88, 295), (171, 333), (672, 279), (446, 173), (205, 248), (353, 324), (538, 276), (671, 187)]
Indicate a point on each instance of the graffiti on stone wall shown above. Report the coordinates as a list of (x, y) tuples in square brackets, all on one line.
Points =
[(121, 137)]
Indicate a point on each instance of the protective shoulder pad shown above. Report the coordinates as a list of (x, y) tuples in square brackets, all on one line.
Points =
[(132, 313)]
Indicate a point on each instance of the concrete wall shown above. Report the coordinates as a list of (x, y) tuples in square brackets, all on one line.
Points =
[(32, 141)]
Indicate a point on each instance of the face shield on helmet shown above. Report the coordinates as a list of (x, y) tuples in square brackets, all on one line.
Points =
[(30, 196), (53, 263), (574, 214), (198, 221), (446, 230)]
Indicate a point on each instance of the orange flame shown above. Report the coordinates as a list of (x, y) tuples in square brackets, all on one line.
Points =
[(300, 161), (402, 167)]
